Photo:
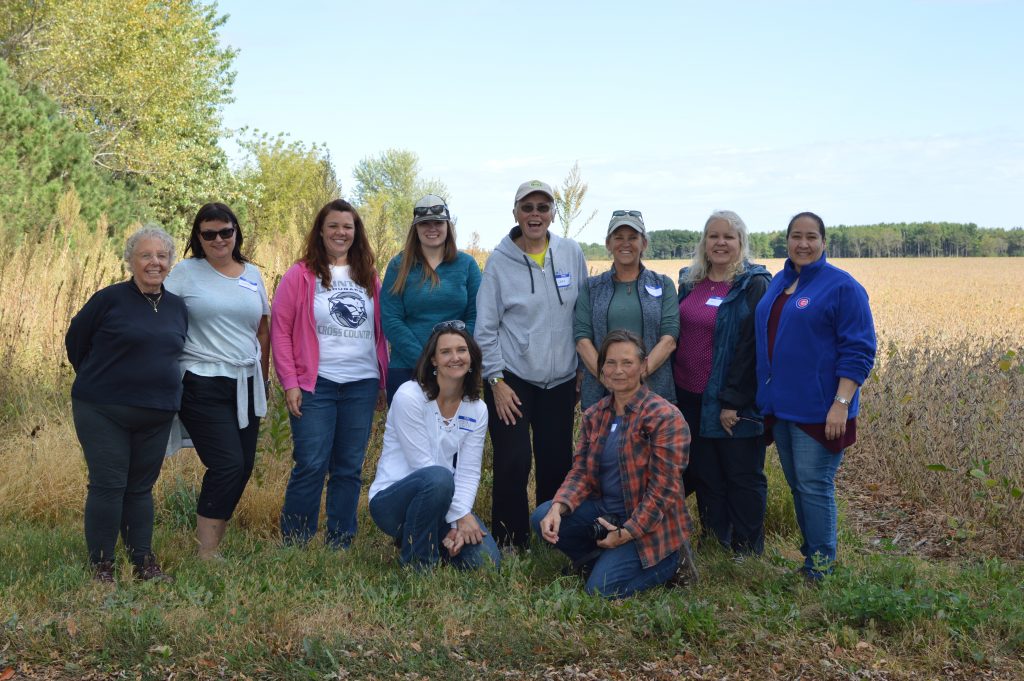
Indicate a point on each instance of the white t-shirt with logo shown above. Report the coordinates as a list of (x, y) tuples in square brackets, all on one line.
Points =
[(344, 326)]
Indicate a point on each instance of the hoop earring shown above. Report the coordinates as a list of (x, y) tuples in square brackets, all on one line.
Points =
[(435, 372)]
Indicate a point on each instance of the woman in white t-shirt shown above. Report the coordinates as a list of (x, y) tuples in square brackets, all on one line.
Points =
[(332, 360), (429, 468), (224, 363)]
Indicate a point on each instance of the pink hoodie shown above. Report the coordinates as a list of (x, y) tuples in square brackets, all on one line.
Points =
[(293, 331)]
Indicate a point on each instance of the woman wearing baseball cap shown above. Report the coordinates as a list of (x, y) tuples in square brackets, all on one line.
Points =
[(524, 324), (628, 296), (430, 281)]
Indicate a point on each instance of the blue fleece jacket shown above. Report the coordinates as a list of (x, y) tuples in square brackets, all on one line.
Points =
[(825, 333)]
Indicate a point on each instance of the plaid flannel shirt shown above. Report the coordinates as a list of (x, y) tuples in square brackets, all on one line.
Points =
[(655, 449)]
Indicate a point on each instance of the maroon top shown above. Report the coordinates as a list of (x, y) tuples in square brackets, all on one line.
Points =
[(695, 348), (815, 430)]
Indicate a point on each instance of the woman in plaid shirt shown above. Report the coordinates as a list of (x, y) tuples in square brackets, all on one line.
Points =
[(620, 514)]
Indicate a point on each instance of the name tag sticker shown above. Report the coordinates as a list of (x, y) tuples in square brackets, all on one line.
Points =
[(562, 279), (465, 423), (653, 290), (249, 285), (714, 301), (615, 427)]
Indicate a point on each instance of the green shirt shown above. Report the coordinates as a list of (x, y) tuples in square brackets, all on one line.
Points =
[(624, 311)]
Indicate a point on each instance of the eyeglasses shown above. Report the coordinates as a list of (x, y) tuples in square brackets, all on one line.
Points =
[(631, 213), (423, 211), (450, 325), (212, 234), (540, 207)]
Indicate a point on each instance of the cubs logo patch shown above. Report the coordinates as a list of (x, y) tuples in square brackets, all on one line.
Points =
[(803, 302)]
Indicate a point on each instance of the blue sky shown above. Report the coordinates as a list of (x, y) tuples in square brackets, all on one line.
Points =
[(868, 111)]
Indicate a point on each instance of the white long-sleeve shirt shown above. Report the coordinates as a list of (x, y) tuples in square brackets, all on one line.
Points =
[(416, 436)]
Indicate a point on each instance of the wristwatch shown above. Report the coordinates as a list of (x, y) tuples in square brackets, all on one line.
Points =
[(495, 380), (842, 400)]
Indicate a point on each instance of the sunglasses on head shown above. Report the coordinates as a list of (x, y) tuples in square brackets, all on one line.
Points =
[(540, 207), (423, 211), (210, 235), (632, 213), (450, 325)]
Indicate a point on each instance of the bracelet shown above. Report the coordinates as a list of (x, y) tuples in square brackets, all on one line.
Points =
[(842, 400)]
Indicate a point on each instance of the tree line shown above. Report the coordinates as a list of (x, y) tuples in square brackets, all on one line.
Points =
[(886, 240)]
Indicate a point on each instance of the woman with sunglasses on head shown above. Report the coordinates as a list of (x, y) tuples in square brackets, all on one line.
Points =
[(429, 467), (628, 296), (332, 359), (429, 281), (815, 341), (716, 384), (224, 364), (524, 324)]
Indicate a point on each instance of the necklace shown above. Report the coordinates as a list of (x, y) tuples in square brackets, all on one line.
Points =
[(152, 298)]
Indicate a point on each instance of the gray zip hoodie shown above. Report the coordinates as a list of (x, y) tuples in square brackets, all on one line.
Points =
[(524, 313)]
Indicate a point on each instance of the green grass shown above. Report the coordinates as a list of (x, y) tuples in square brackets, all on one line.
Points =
[(275, 612)]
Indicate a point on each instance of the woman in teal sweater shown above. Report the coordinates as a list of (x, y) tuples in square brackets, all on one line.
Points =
[(430, 281)]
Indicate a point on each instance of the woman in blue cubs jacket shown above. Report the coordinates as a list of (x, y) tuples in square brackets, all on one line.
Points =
[(815, 347)]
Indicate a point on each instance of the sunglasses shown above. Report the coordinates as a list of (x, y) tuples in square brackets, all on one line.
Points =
[(423, 211), (631, 213), (450, 325), (212, 234), (529, 207)]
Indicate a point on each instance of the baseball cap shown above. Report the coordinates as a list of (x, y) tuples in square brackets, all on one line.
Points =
[(430, 207), (532, 186), (627, 218)]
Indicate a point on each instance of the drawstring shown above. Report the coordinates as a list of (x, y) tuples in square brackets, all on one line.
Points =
[(530, 270)]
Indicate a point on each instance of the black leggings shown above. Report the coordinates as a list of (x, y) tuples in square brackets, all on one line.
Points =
[(209, 413), (124, 449), (549, 413)]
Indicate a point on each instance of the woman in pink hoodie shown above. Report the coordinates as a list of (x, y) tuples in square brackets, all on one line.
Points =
[(332, 360)]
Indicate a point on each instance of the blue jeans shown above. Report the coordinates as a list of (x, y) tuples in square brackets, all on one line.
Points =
[(810, 470), (412, 512), (330, 440), (617, 572)]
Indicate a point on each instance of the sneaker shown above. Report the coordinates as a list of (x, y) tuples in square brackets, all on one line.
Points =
[(150, 570), (103, 572), (686, 574)]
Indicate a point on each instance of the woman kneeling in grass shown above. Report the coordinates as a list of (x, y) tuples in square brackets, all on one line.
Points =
[(429, 468)]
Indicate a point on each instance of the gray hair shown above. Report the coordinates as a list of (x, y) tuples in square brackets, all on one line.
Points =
[(149, 231), (700, 266)]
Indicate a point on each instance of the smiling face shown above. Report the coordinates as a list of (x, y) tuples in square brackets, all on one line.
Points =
[(622, 368), (218, 250), (626, 246), (432, 233), (721, 244), (534, 223), (338, 233), (150, 263), (451, 358), (804, 242)]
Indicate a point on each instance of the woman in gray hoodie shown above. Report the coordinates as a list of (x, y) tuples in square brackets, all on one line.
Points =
[(524, 325)]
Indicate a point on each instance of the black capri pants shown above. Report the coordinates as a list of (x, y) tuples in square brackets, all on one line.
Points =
[(210, 414)]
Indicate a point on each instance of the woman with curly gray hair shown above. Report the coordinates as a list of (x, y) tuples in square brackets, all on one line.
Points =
[(124, 345)]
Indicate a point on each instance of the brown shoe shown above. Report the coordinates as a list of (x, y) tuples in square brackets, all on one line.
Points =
[(150, 570), (103, 572), (686, 574)]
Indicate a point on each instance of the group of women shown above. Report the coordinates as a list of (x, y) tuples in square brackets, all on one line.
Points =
[(678, 390)]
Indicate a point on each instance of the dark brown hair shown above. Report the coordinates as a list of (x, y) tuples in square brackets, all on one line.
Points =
[(360, 254), (412, 253), (214, 212), (426, 376), (619, 336), (807, 214)]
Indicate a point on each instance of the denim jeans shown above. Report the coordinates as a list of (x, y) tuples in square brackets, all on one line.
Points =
[(810, 470), (330, 440), (617, 572), (412, 511)]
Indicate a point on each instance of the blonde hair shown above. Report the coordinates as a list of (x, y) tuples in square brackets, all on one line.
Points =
[(701, 266)]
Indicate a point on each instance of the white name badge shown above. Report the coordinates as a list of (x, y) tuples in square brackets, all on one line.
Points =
[(246, 284), (562, 279), (653, 290), (614, 427), (714, 301)]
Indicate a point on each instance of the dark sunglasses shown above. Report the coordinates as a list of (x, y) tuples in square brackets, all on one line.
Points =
[(632, 213), (529, 207), (450, 325), (423, 211), (210, 235)]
